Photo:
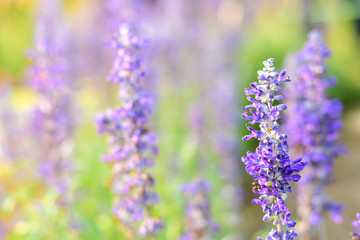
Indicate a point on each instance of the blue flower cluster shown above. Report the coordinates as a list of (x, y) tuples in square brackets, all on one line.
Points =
[(270, 164)]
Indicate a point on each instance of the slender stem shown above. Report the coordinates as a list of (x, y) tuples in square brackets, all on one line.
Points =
[(129, 232), (280, 229), (323, 235)]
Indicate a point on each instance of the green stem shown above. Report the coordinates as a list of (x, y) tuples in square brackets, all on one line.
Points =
[(323, 234), (280, 229)]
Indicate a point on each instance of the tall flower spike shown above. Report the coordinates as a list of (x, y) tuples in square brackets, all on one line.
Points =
[(199, 224), (314, 133), (270, 164), (52, 118), (131, 144), (356, 225)]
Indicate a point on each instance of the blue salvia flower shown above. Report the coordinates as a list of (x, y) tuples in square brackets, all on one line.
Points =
[(315, 132), (198, 223), (356, 225), (270, 164), (131, 144), (52, 120)]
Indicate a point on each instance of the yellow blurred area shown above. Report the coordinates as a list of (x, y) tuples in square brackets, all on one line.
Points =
[(5, 5), (104, 221), (21, 228), (23, 98), (87, 99), (5, 170), (15, 32), (76, 5)]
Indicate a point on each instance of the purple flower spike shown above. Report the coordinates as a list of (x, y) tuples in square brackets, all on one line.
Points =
[(199, 224), (270, 164), (52, 119), (131, 144), (314, 133)]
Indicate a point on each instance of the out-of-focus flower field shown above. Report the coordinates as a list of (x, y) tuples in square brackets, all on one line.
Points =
[(202, 54)]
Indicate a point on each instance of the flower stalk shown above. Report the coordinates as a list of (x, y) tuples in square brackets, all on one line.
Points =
[(315, 135), (52, 119), (131, 143), (270, 164)]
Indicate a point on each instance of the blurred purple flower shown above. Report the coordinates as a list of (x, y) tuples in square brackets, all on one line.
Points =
[(52, 123), (199, 224), (356, 225), (315, 132), (270, 164), (131, 144)]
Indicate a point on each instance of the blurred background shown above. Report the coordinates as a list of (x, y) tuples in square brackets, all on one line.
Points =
[(203, 53)]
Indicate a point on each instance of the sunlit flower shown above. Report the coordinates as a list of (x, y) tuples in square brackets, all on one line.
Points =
[(270, 164)]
